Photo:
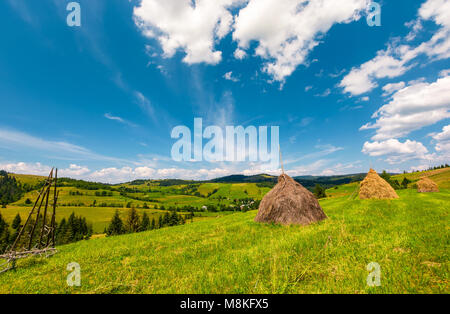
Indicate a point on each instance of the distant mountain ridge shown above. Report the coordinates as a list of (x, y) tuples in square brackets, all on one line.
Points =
[(308, 181), (269, 180)]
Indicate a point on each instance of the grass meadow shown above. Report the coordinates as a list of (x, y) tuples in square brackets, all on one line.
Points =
[(100, 216), (408, 238)]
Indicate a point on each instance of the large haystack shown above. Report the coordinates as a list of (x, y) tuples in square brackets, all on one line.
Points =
[(426, 185), (289, 203), (375, 187)]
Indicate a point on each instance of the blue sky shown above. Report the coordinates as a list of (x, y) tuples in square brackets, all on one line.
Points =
[(99, 101)]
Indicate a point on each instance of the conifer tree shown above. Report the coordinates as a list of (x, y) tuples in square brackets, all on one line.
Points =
[(405, 183), (16, 222), (133, 222), (153, 226), (116, 226), (145, 224)]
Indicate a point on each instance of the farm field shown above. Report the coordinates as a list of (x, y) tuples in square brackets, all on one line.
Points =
[(408, 237), (100, 217), (79, 201), (99, 206)]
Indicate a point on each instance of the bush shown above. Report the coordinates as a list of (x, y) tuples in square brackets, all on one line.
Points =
[(319, 191)]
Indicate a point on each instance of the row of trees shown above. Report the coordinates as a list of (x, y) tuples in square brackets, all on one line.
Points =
[(73, 229), (67, 231), (439, 167), (394, 183), (11, 190), (135, 223)]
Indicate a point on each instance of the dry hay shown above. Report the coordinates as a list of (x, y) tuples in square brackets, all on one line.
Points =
[(289, 203), (426, 185), (375, 187)]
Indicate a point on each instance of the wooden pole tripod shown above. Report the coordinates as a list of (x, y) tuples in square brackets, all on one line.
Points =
[(26, 244)]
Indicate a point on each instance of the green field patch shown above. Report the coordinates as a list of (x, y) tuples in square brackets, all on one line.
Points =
[(408, 237)]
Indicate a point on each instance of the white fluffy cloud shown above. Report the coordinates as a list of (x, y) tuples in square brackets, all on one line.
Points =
[(240, 54), (37, 168), (412, 108), (443, 140), (119, 175), (363, 79), (191, 26), (392, 88), (286, 31), (395, 150), (26, 168), (398, 58), (74, 171)]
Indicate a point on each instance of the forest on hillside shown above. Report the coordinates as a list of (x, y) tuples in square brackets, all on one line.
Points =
[(11, 190)]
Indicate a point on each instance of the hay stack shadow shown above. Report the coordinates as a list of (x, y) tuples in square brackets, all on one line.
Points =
[(289, 203), (426, 185), (375, 187)]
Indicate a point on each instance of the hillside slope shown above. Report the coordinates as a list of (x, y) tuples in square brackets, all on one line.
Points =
[(440, 176), (408, 237)]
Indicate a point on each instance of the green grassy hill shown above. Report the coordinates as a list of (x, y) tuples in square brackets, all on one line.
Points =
[(440, 176), (78, 197), (28, 178), (107, 200), (408, 237)]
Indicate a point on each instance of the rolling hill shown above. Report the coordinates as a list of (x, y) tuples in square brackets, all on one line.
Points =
[(98, 202), (408, 238)]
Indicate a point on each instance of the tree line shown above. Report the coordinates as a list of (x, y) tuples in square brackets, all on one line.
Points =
[(135, 223), (11, 190), (67, 231), (394, 183)]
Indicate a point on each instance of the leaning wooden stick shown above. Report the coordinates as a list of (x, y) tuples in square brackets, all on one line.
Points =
[(45, 215), (47, 191), (29, 215), (43, 248), (53, 223)]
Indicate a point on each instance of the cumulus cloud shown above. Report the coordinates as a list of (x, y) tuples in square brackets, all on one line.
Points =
[(190, 26), (286, 31), (26, 168), (395, 150), (240, 54), (412, 108), (74, 171), (398, 58), (443, 140), (363, 79), (293, 30), (124, 174), (392, 88), (37, 168)]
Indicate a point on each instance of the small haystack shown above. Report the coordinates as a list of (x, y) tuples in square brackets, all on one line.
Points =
[(289, 203), (375, 187), (426, 185)]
